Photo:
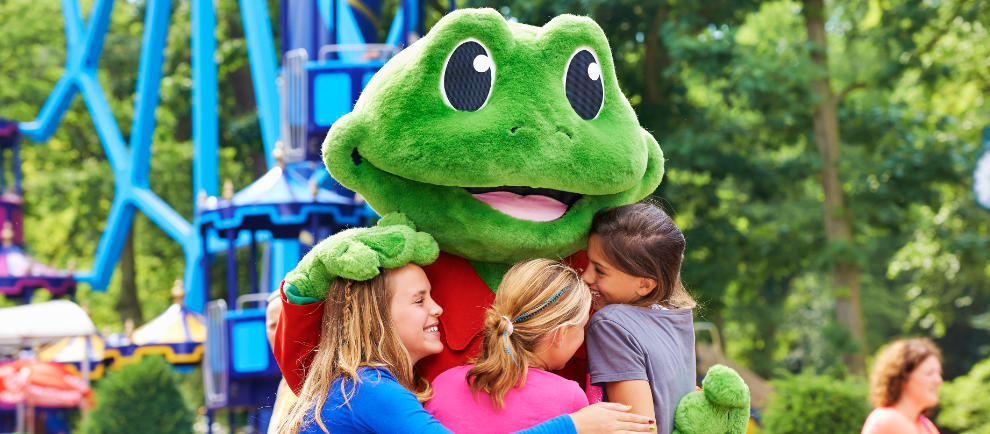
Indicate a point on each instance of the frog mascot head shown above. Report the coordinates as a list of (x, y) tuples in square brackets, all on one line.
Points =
[(499, 142), (500, 139)]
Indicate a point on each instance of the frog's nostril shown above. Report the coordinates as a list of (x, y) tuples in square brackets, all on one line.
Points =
[(513, 130)]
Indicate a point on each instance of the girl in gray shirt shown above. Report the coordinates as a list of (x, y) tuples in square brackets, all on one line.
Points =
[(641, 340)]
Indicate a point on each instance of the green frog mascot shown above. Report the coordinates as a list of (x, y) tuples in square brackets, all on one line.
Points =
[(485, 143)]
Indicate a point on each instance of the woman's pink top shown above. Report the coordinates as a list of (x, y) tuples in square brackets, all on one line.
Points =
[(887, 420), (543, 397)]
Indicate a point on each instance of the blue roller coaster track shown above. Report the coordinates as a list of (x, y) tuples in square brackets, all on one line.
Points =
[(130, 158)]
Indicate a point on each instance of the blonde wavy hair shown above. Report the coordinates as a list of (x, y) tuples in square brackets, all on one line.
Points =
[(356, 332), (535, 298), (894, 364)]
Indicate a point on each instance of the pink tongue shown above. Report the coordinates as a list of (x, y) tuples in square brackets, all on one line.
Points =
[(534, 208)]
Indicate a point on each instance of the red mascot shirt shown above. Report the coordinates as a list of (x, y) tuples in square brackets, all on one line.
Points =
[(456, 287)]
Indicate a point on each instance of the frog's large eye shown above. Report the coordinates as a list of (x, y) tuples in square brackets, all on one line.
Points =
[(583, 83), (466, 81)]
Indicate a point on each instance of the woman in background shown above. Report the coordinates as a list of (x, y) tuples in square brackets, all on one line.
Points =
[(904, 383)]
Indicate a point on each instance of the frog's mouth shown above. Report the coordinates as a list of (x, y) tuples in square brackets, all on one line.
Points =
[(526, 203)]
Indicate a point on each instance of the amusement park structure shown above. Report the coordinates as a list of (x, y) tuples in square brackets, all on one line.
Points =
[(329, 52), (323, 43)]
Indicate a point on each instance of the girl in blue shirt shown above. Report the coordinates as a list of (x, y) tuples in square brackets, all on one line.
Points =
[(361, 379)]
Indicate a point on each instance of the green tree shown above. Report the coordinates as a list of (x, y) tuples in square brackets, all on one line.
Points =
[(964, 404), (838, 227), (728, 89), (816, 404), (141, 397)]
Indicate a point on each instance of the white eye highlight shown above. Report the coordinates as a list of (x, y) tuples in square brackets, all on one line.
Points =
[(594, 71), (482, 63)]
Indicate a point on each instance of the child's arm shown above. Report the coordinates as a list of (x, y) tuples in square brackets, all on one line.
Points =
[(636, 393), (297, 333)]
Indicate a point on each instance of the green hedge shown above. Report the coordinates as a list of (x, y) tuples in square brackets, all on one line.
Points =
[(965, 401), (139, 398), (816, 404)]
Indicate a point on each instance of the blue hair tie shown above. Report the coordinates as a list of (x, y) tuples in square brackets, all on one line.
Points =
[(541, 306), (505, 339), (525, 316)]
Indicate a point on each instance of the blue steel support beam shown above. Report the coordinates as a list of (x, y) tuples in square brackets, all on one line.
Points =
[(264, 70), (156, 22), (105, 123), (73, 20), (253, 265), (347, 33), (285, 256), (206, 138), (96, 30), (403, 23), (198, 266), (395, 30), (204, 101), (111, 243), (50, 115), (83, 51), (164, 216), (231, 269), (407, 17)]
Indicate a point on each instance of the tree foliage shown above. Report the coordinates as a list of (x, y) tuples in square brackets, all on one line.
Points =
[(726, 87), (140, 397), (964, 403), (815, 404)]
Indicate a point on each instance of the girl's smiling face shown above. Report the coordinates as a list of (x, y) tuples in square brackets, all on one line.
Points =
[(923, 383), (608, 284), (414, 313)]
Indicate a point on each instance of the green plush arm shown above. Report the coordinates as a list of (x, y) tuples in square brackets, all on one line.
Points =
[(722, 408), (358, 254)]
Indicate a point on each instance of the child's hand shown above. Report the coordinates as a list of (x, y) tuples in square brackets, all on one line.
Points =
[(358, 254), (610, 417)]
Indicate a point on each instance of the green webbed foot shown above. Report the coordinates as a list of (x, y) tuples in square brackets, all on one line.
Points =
[(722, 408), (358, 254)]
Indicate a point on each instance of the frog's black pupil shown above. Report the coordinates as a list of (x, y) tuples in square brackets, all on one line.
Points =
[(466, 88), (584, 94)]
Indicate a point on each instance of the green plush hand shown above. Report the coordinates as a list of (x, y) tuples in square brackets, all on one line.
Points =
[(358, 254), (722, 408)]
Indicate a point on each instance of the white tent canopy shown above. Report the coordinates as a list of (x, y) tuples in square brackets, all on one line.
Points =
[(43, 322)]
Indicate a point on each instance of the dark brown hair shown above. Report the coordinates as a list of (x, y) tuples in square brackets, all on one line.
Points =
[(894, 364), (641, 240)]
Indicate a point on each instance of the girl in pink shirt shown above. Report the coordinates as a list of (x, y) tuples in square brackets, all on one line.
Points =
[(534, 327)]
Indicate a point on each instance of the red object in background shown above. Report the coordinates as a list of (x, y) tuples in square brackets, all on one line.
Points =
[(41, 384)]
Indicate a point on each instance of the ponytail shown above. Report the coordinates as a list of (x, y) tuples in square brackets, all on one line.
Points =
[(535, 298)]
